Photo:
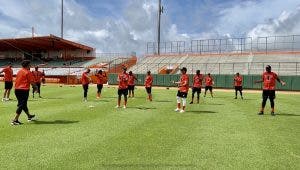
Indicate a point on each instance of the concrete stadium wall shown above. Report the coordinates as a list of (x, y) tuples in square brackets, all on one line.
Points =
[(221, 81)]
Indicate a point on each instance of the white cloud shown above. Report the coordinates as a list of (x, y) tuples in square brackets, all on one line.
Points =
[(286, 24), (137, 22)]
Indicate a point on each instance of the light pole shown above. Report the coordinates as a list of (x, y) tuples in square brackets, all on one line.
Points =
[(62, 19), (160, 11)]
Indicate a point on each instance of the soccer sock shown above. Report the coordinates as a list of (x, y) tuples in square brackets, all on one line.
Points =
[(178, 102), (272, 103), (125, 100), (183, 103), (264, 103), (119, 100), (17, 117)]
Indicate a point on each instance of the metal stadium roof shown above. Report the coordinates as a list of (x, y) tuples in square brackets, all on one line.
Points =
[(42, 43)]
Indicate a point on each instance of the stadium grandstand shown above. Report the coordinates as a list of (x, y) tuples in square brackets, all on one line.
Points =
[(62, 60), (224, 56)]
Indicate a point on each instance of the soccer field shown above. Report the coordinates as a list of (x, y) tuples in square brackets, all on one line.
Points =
[(219, 133)]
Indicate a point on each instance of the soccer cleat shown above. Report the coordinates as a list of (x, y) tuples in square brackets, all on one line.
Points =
[(177, 110), (3, 99), (191, 102), (16, 122), (182, 111), (272, 114), (242, 98), (260, 113), (30, 118), (117, 106), (84, 99), (124, 107), (235, 98)]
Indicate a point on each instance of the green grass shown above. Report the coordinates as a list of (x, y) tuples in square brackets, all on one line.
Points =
[(219, 133)]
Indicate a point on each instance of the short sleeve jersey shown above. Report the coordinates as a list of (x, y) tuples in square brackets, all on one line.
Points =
[(269, 80)]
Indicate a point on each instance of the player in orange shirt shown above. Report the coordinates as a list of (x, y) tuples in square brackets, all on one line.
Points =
[(123, 87), (8, 81), (238, 84), (183, 88), (22, 86), (100, 81), (269, 79), (148, 85), (209, 82), (85, 80), (197, 84), (38, 76), (131, 83)]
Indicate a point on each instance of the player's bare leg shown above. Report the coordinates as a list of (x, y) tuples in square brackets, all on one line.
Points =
[(8, 94), (263, 105), (125, 102), (119, 101), (4, 95), (129, 93), (235, 94), (241, 93), (272, 106), (178, 104), (193, 95), (183, 105)]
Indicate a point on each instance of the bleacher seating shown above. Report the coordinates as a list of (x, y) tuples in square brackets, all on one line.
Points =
[(284, 64)]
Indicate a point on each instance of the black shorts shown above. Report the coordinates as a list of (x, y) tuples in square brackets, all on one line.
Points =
[(181, 94), (8, 85), (148, 89), (238, 88), (99, 87), (196, 90), (268, 94), (208, 88), (122, 92), (130, 87), (22, 97), (38, 86)]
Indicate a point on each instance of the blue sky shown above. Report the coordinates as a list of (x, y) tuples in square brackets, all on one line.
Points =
[(126, 25)]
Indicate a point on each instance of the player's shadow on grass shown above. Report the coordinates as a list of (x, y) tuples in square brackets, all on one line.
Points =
[(54, 122), (286, 114), (141, 108), (149, 166), (215, 104), (52, 98), (163, 101), (201, 111), (102, 101)]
